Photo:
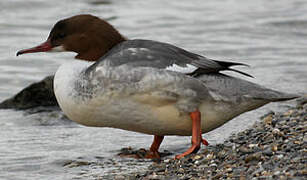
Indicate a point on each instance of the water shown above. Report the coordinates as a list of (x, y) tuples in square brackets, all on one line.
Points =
[(268, 35)]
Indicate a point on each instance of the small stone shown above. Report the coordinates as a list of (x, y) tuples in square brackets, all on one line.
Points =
[(276, 131), (213, 165), (222, 154), (218, 176), (245, 150), (268, 119), (120, 177), (210, 156), (280, 156), (228, 170), (303, 172), (274, 147), (265, 173), (276, 173), (181, 170), (252, 145), (268, 152), (253, 157), (297, 142), (197, 157), (166, 161)]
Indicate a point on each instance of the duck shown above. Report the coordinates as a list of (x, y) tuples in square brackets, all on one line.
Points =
[(146, 86)]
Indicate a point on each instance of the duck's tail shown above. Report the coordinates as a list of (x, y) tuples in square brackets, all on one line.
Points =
[(274, 96), (234, 89), (226, 66)]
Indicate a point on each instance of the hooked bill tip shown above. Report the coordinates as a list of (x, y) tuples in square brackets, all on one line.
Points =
[(18, 53)]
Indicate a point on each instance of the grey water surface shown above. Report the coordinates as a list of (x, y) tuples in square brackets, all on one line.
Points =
[(270, 36)]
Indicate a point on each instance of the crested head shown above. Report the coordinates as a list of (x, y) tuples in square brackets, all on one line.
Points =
[(89, 36)]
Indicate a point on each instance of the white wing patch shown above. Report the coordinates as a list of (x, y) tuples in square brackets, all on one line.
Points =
[(136, 50), (185, 70)]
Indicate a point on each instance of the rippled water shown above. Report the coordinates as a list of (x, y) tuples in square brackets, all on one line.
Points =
[(268, 35)]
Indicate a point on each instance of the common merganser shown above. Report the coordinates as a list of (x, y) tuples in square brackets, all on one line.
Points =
[(145, 86)]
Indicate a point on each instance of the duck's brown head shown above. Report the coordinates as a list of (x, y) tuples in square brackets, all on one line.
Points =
[(89, 36)]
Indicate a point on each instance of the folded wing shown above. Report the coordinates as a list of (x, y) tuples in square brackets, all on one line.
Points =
[(147, 53)]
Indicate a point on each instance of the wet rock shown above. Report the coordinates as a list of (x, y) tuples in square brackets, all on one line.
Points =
[(72, 164), (268, 119), (268, 152), (38, 94), (253, 157), (140, 153)]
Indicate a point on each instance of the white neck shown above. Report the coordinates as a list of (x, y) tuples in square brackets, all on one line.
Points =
[(64, 81)]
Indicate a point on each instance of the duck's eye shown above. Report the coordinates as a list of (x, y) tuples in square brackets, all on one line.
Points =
[(61, 35)]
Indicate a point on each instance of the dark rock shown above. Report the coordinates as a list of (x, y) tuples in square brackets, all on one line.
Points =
[(38, 94), (140, 153)]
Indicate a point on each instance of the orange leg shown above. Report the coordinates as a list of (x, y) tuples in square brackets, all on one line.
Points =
[(196, 135), (153, 151)]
